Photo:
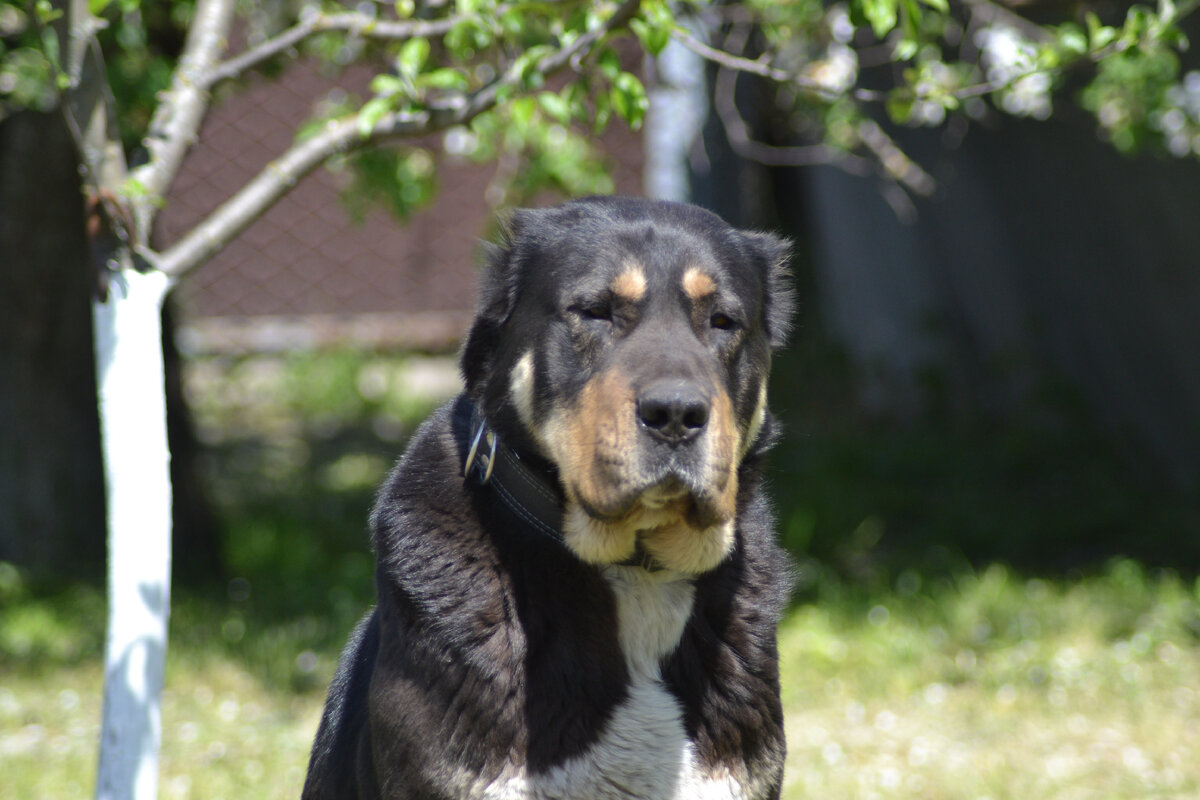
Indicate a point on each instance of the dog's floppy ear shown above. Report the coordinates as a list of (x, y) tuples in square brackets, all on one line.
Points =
[(780, 299), (497, 295)]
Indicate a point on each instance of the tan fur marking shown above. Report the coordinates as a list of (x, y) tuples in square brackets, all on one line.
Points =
[(684, 549), (725, 453), (594, 541), (697, 284), (591, 444), (521, 388), (756, 422), (630, 285)]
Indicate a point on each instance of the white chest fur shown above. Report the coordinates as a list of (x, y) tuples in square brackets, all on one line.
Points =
[(644, 752)]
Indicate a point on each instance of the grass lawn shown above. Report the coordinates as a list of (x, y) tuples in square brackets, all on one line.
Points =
[(984, 686), (915, 665)]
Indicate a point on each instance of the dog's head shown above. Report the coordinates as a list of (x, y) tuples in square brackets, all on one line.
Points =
[(628, 343)]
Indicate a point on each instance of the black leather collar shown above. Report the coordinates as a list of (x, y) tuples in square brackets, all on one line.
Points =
[(530, 492)]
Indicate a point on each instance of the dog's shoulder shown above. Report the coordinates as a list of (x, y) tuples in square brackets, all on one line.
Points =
[(438, 563), (423, 495)]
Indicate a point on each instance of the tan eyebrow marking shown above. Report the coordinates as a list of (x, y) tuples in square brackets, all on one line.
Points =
[(630, 285), (697, 284)]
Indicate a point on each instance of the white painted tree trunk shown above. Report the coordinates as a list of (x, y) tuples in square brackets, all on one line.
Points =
[(679, 104), (133, 420)]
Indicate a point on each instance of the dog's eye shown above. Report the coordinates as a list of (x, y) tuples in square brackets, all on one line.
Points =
[(723, 322), (594, 311)]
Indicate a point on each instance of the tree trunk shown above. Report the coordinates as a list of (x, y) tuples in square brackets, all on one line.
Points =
[(51, 485), (133, 413)]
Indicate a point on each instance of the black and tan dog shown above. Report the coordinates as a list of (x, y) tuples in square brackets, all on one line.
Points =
[(577, 575)]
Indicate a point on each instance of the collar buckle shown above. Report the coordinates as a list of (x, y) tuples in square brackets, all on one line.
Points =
[(487, 462)]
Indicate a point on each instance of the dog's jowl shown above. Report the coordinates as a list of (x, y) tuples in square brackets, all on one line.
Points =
[(578, 584)]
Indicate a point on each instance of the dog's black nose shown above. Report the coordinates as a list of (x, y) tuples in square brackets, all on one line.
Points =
[(673, 410)]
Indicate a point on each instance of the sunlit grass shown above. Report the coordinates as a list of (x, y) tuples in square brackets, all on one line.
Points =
[(992, 686), (983, 685)]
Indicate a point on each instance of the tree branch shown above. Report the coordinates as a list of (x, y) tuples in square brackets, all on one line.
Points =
[(177, 119), (741, 139), (319, 22), (761, 67), (894, 162), (232, 217), (89, 110), (898, 170)]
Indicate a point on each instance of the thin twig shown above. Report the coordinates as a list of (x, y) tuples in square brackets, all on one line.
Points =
[(762, 67), (177, 119), (741, 139), (347, 22), (893, 164), (894, 161)]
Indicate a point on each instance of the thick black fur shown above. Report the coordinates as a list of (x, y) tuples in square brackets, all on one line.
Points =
[(493, 646)]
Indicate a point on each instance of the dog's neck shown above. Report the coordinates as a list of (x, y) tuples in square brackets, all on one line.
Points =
[(531, 491)]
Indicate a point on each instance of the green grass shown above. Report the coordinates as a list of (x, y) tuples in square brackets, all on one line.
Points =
[(990, 685), (915, 663), (984, 685)]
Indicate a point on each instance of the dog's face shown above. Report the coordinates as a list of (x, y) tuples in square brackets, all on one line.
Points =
[(628, 342)]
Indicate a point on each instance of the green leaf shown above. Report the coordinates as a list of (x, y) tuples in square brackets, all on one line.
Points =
[(521, 111), (136, 190), (938, 5), (50, 46), (906, 48), (46, 12), (555, 106), (629, 99), (527, 63), (659, 13), (97, 6), (652, 37), (447, 78), (466, 38), (1099, 35), (371, 113), (1049, 58), (603, 112), (412, 56), (133, 188), (899, 107), (609, 63), (576, 97), (910, 21), (388, 85), (514, 21), (1072, 39), (881, 14)]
